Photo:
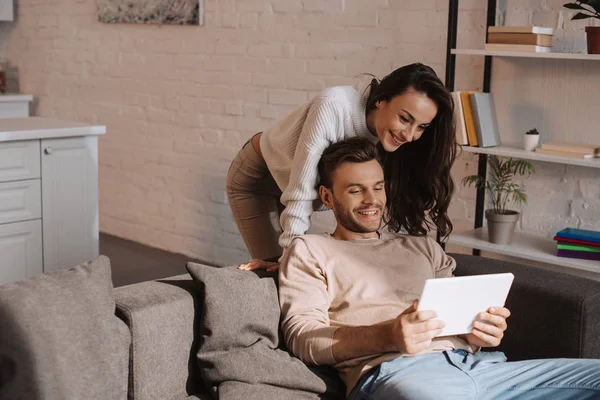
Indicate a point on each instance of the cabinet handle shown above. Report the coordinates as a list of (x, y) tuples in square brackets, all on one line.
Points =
[(48, 150)]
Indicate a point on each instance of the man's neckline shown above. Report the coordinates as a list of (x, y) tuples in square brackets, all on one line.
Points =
[(379, 236)]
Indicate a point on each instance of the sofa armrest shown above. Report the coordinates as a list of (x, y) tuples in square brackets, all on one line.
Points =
[(554, 314), (162, 320)]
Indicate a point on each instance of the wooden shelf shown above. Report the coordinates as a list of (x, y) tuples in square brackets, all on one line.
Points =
[(523, 245), (527, 54), (506, 151)]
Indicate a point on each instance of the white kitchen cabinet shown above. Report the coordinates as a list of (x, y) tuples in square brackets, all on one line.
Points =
[(48, 195), (6, 10), (14, 105), (20, 250), (69, 201)]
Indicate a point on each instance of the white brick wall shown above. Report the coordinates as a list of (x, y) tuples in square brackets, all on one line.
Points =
[(180, 101)]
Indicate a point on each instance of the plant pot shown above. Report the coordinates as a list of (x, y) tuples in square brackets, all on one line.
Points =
[(593, 39), (530, 142), (501, 226)]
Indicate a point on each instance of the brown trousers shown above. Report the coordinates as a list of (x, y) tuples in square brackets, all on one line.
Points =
[(254, 201)]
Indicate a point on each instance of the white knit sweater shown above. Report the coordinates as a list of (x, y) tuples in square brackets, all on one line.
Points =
[(293, 146)]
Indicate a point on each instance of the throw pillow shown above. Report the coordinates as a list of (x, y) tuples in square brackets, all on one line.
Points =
[(60, 338), (240, 339)]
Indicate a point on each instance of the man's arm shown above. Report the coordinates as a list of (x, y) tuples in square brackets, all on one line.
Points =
[(305, 303), (410, 333)]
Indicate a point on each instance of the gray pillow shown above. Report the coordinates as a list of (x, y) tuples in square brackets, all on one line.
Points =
[(239, 340), (60, 338)]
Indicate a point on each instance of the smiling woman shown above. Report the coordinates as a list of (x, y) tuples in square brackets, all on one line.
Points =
[(409, 114)]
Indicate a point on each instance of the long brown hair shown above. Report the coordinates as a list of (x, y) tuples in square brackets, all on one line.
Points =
[(419, 185)]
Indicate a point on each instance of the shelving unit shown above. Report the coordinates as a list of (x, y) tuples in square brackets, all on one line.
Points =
[(526, 54), (507, 151), (524, 246)]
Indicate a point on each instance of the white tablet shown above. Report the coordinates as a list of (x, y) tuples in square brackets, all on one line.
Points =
[(458, 300)]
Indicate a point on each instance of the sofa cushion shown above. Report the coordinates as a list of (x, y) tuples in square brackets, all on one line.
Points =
[(240, 340), (60, 338)]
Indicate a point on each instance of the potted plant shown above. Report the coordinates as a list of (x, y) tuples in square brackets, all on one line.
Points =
[(501, 188), (588, 9), (532, 138)]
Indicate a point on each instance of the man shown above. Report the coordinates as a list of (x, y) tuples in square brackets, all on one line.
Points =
[(348, 299)]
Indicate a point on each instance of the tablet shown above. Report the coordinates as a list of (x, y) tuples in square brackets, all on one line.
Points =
[(458, 300)]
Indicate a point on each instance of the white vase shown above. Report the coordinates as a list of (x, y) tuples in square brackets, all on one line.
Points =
[(531, 142)]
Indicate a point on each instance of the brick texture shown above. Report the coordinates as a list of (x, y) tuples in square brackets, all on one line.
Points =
[(179, 101)]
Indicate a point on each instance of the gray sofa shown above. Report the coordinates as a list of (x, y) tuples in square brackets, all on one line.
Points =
[(553, 315)]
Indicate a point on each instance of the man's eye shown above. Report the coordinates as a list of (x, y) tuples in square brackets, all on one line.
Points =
[(379, 188), (354, 191)]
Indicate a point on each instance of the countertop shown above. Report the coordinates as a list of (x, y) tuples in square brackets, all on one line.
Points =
[(32, 128)]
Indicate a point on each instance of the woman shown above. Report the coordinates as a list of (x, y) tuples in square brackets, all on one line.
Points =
[(409, 113)]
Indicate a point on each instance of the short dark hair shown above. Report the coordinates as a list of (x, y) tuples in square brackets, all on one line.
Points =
[(354, 150)]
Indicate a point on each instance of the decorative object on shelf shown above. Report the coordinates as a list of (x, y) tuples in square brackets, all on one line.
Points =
[(571, 150), (519, 38), (531, 139), (459, 117), (172, 12), (501, 187), (578, 243), (486, 123), (588, 9)]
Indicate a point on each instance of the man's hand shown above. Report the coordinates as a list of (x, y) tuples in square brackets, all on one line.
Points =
[(413, 330), (256, 263), (488, 328)]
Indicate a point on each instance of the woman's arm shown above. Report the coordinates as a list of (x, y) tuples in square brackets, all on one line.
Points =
[(324, 121)]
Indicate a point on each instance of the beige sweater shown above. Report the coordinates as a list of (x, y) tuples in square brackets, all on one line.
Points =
[(327, 283), (293, 147)]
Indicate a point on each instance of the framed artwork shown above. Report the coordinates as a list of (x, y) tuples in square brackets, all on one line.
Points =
[(162, 12)]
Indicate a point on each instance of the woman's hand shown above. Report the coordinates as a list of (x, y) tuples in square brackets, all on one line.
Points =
[(256, 263), (489, 327)]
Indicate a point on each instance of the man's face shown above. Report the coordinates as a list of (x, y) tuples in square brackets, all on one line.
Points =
[(358, 196)]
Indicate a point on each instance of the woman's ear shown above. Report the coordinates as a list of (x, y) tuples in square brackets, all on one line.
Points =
[(326, 196)]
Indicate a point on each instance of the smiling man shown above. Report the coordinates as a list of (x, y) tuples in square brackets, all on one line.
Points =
[(348, 299)]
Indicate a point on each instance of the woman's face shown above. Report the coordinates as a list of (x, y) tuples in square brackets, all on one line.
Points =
[(403, 119)]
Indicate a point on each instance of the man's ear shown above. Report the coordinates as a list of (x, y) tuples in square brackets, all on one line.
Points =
[(326, 196)]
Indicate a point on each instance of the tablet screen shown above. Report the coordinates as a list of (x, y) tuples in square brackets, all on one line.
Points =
[(458, 300)]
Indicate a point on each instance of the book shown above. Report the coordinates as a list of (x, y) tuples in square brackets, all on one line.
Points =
[(569, 154), (486, 123), (461, 129), (573, 147), (520, 38), (576, 247), (584, 255), (521, 29), (469, 118), (517, 47), (579, 234), (582, 242)]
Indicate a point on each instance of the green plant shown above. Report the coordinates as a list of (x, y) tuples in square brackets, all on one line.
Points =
[(500, 184), (532, 132), (591, 9)]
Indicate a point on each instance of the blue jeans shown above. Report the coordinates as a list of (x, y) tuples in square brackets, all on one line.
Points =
[(460, 375)]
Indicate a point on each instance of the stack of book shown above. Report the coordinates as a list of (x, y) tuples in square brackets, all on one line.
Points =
[(578, 243), (475, 116), (571, 150), (519, 38)]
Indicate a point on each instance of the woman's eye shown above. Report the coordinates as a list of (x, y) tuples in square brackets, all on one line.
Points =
[(378, 189), (403, 119)]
